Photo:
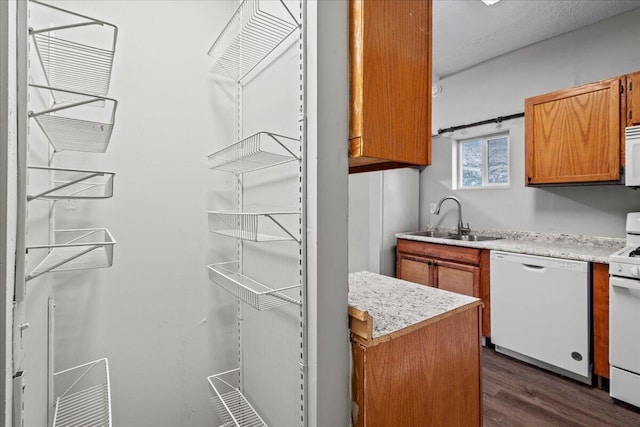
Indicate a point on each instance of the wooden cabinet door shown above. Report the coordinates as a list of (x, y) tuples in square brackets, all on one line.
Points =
[(464, 270), (415, 269), (459, 278), (574, 135), (633, 99), (390, 84), (600, 279)]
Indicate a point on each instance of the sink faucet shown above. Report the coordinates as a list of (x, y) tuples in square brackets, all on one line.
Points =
[(461, 228)]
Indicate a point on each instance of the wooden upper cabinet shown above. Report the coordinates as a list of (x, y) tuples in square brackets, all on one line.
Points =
[(575, 135), (390, 84), (633, 99)]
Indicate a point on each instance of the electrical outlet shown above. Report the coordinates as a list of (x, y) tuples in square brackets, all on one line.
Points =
[(432, 209)]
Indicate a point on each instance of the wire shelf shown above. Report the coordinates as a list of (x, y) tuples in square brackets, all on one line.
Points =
[(259, 151), (86, 397), (73, 184), (255, 30), (229, 402), (257, 295), (256, 227), (84, 124), (81, 249), (68, 60)]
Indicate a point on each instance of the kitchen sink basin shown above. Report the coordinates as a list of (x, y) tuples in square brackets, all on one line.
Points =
[(441, 234), (452, 236), (471, 237)]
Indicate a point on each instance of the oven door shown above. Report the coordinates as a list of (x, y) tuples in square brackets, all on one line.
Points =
[(624, 318), (624, 339)]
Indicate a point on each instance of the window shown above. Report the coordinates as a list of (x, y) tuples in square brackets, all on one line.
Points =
[(483, 162)]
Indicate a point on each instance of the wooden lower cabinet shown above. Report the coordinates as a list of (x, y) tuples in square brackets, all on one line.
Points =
[(430, 376), (452, 268), (600, 279), (460, 278)]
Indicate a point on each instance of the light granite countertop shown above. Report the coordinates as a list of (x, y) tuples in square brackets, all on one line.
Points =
[(396, 304), (567, 246)]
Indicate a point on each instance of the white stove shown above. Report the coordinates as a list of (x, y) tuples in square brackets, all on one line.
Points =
[(624, 316)]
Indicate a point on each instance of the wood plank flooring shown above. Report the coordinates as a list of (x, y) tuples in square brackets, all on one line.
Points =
[(518, 394)]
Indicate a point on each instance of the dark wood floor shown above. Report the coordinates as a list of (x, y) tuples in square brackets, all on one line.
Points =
[(519, 394)]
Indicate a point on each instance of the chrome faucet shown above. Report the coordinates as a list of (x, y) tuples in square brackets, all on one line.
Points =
[(461, 228)]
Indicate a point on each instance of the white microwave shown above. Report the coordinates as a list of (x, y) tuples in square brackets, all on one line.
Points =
[(632, 156)]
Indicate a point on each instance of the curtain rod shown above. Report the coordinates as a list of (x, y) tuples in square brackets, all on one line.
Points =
[(484, 122)]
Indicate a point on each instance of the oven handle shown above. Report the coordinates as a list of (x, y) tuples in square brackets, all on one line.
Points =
[(619, 282)]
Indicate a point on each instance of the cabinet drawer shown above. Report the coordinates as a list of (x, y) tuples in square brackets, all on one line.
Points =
[(435, 250)]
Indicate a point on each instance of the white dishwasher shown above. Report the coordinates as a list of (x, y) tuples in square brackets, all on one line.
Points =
[(540, 312)]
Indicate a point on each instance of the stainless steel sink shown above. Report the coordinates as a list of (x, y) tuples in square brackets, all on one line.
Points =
[(471, 237), (441, 234), (452, 236)]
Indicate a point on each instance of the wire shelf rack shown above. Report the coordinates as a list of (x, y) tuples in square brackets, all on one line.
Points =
[(257, 295), (255, 30), (229, 402), (73, 184), (84, 124), (85, 397), (259, 151), (68, 59), (81, 249), (255, 227)]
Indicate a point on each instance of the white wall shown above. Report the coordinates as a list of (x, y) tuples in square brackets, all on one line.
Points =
[(328, 377), (498, 88), (8, 194), (381, 204), (154, 314)]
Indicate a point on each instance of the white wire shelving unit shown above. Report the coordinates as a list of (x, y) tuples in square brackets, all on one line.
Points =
[(256, 294), (73, 184), (70, 125), (255, 227), (229, 402), (258, 151), (68, 60), (83, 397), (256, 35), (256, 29), (76, 249)]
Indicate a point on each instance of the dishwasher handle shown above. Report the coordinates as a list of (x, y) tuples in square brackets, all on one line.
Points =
[(534, 267)]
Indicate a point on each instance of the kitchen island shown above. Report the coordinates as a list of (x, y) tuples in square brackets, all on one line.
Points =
[(416, 354)]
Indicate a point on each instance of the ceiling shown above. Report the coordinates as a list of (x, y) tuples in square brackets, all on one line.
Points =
[(468, 32)]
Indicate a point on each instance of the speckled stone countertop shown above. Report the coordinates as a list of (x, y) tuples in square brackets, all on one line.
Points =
[(567, 246), (397, 304)]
